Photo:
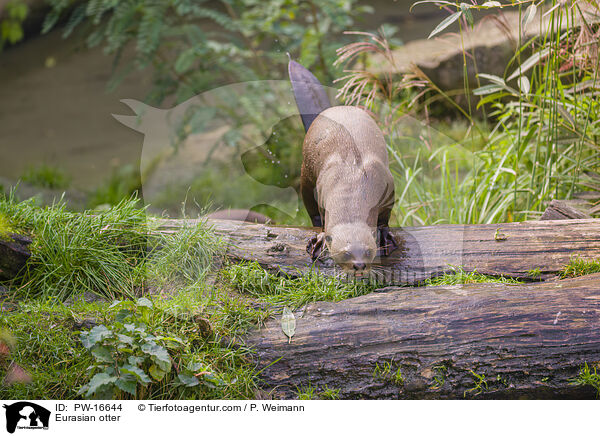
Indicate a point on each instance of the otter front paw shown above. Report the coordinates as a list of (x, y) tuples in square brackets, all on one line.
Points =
[(387, 243), (316, 246)]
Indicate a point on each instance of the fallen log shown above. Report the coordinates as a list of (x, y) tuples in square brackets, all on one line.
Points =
[(14, 253), (566, 210), (511, 250), (478, 340)]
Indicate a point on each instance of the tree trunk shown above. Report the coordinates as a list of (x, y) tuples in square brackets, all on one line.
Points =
[(477, 340)]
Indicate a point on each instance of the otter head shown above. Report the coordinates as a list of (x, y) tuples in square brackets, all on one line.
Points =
[(352, 246)]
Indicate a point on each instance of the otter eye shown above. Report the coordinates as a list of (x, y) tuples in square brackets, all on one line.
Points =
[(345, 256)]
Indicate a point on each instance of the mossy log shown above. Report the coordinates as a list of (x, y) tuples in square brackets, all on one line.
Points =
[(511, 250), (469, 341), (14, 253)]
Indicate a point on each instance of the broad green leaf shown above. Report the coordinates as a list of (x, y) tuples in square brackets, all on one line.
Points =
[(126, 339), (445, 23), (137, 372), (156, 373), (530, 62), (188, 380), (144, 302), (127, 384), (135, 360), (95, 335), (288, 323), (102, 354), (159, 354), (195, 366), (98, 381)]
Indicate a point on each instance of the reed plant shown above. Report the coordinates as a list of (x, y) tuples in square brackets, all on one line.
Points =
[(531, 136)]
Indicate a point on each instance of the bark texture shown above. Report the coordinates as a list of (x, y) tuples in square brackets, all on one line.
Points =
[(477, 340)]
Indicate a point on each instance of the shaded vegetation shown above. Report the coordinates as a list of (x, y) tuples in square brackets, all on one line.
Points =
[(46, 176)]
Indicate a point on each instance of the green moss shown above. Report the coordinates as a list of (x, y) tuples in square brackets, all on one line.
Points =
[(579, 267), (5, 227)]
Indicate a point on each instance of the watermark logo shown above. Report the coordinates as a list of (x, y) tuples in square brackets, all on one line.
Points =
[(25, 415)]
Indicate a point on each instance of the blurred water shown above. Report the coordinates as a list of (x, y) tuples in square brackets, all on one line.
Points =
[(56, 110)]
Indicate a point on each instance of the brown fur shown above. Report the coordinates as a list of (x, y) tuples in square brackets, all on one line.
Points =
[(346, 183)]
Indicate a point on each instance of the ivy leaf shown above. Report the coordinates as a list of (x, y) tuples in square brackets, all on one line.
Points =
[(288, 323), (447, 21)]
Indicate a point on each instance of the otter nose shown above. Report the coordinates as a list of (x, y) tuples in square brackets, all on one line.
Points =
[(359, 266)]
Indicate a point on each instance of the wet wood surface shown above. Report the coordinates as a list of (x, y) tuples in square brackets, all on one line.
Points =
[(512, 249), (467, 341)]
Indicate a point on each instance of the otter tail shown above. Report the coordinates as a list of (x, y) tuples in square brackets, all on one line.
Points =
[(310, 95)]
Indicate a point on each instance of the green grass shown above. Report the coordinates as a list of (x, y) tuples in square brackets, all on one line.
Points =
[(250, 278), (46, 176), (460, 277), (48, 346), (113, 253), (72, 255), (579, 267)]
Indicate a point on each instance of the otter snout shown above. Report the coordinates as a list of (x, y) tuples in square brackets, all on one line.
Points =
[(359, 266)]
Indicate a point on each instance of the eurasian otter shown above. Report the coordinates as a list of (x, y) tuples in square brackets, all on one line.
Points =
[(346, 185)]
